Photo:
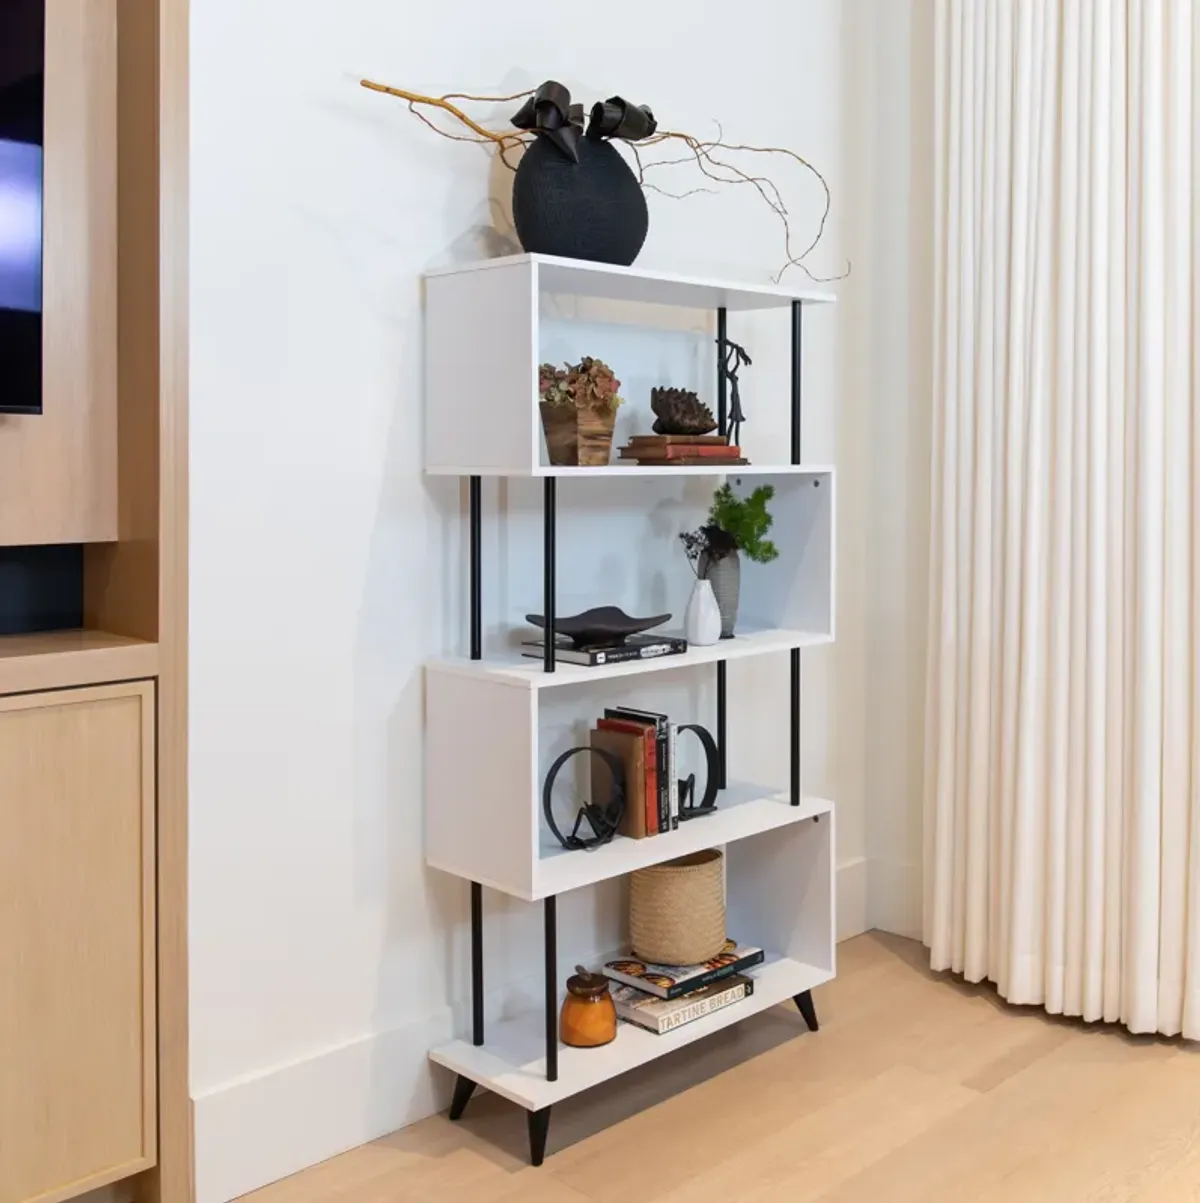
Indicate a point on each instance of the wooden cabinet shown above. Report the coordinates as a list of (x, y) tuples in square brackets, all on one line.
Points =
[(77, 990)]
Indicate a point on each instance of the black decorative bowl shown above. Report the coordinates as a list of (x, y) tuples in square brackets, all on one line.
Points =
[(594, 209), (606, 625)]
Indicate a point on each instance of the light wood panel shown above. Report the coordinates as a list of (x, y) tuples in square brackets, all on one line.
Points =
[(173, 1180), (917, 1089), (58, 470), (63, 659), (77, 989), (122, 578)]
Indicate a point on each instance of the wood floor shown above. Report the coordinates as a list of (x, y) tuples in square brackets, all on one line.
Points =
[(917, 1089)]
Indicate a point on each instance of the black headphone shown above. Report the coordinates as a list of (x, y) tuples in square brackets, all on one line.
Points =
[(603, 820), (687, 786)]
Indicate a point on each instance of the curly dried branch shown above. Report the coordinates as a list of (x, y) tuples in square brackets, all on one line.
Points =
[(704, 153)]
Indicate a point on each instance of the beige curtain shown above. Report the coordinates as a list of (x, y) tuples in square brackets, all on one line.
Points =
[(1062, 854)]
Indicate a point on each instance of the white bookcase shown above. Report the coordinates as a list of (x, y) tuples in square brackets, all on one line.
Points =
[(483, 813)]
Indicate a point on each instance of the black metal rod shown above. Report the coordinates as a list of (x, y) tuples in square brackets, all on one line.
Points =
[(722, 383), (797, 377), (795, 799), (476, 493), (721, 771), (551, 989), (476, 964), (548, 570)]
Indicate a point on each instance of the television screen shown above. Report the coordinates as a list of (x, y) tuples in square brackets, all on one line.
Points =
[(22, 87)]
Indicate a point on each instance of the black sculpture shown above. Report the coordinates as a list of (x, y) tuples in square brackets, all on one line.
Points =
[(680, 411), (573, 194), (689, 808), (602, 819), (735, 359)]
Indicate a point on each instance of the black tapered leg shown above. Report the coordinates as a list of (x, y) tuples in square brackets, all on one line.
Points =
[(808, 1009), (539, 1127), (463, 1089)]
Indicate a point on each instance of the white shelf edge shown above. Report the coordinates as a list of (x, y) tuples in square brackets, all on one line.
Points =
[(755, 813), (622, 470), (526, 673), (776, 292), (511, 1065)]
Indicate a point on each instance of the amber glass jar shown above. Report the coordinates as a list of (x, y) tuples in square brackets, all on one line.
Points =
[(588, 1018)]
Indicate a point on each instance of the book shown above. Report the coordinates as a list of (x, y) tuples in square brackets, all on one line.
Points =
[(635, 647), (630, 750), (648, 734), (660, 722), (671, 451), (679, 440), (675, 981), (662, 1015), (673, 774), (690, 461)]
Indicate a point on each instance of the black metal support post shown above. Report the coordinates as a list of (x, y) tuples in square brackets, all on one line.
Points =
[(722, 383), (549, 508), (795, 711), (476, 495), (797, 377), (797, 413), (721, 758), (551, 991), (807, 1008), (722, 428), (476, 964), (463, 1089), (539, 1127)]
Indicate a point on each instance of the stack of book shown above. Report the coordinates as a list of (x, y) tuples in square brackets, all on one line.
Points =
[(644, 742), (630, 647), (682, 450), (664, 997)]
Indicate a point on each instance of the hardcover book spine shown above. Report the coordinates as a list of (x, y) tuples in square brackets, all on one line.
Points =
[(706, 1006), (715, 975), (646, 733), (663, 741), (673, 774)]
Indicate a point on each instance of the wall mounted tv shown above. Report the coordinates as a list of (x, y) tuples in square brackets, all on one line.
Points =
[(22, 89)]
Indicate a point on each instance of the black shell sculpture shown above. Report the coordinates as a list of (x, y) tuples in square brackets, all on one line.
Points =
[(679, 411)]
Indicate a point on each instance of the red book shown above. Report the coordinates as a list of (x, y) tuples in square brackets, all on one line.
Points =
[(649, 734), (683, 451)]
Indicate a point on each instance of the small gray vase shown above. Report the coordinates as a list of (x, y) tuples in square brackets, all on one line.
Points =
[(725, 576)]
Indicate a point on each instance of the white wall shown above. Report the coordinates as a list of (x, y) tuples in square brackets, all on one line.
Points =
[(324, 958), (888, 323)]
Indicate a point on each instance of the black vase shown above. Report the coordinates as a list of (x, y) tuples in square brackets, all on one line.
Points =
[(593, 209)]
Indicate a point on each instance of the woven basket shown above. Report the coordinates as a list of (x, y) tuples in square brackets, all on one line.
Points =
[(677, 910)]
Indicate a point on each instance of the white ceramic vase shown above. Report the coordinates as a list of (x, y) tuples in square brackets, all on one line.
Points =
[(702, 622)]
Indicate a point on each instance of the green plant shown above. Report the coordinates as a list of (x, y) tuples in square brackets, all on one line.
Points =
[(734, 524), (588, 384)]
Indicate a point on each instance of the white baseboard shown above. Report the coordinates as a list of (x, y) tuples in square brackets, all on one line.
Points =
[(894, 897), (259, 1129), (852, 894)]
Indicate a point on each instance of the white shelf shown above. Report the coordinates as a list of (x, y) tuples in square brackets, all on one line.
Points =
[(525, 673), (742, 811), (606, 281), (623, 470), (513, 1061)]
